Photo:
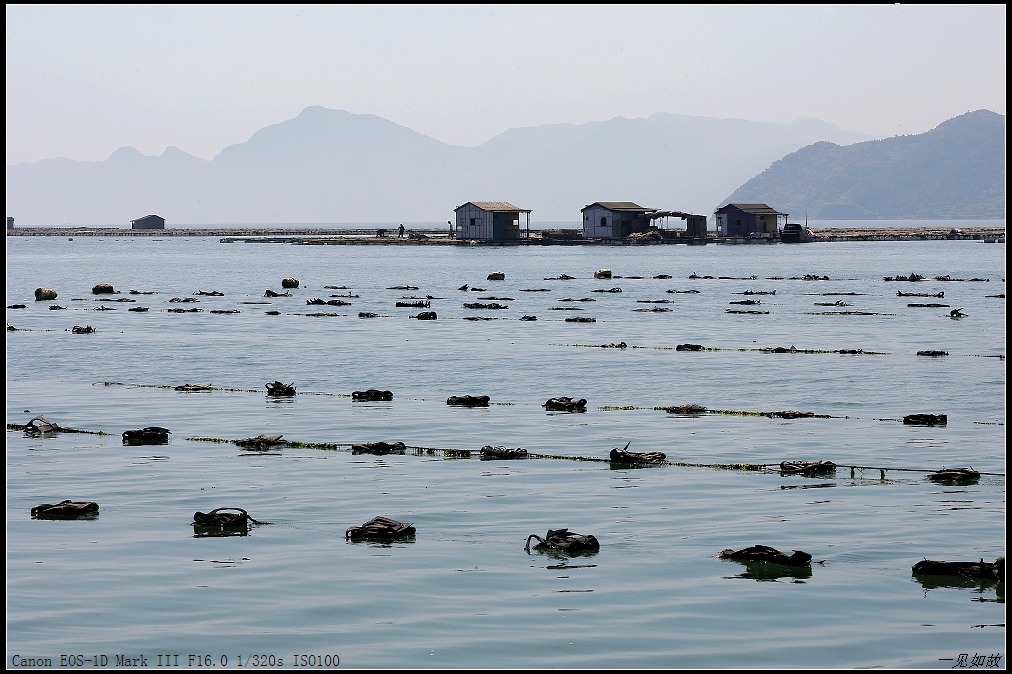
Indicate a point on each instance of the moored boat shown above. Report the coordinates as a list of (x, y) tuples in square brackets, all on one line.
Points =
[(794, 232)]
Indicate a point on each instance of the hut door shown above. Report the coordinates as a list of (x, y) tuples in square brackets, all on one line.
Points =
[(499, 222)]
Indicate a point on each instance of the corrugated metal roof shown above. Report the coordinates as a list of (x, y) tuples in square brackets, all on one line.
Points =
[(755, 209), (496, 206), (621, 206)]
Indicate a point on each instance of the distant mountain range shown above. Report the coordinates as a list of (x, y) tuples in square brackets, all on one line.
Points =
[(334, 167), (955, 171)]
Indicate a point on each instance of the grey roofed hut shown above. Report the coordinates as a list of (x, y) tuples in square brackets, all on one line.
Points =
[(621, 219), (748, 220), (615, 219), (148, 222), (491, 221)]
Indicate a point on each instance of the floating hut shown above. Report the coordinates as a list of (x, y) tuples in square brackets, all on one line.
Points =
[(491, 221), (148, 222), (749, 220)]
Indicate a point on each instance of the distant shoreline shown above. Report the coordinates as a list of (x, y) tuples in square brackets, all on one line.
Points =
[(338, 235)]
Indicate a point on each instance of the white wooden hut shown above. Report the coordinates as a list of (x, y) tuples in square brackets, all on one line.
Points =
[(614, 219), (491, 221)]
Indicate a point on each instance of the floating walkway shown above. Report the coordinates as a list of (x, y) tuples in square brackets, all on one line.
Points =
[(441, 237)]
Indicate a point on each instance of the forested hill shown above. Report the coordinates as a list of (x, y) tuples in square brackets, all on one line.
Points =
[(954, 171)]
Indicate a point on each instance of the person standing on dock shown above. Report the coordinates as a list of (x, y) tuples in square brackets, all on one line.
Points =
[(400, 231)]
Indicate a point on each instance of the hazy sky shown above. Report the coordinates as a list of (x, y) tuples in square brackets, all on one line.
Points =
[(86, 80)]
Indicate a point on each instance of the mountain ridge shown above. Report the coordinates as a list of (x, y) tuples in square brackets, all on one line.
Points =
[(333, 166), (954, 171)]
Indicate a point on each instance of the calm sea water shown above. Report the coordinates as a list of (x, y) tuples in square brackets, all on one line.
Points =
[(137, 582)]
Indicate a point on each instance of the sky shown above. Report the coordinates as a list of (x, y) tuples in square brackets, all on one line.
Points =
[(86, 80)]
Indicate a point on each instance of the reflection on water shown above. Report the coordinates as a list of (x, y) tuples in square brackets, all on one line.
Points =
[(980, 586), (224, 563), (563, 555), (765, 571), (89, 516), (377, 542), (201, 531)]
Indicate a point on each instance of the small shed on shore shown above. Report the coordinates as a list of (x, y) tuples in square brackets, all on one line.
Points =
[(491, 221), (148, 222), (749, 220)]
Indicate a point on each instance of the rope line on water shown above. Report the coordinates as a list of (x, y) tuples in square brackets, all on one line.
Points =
[(454, 453), (681, 410)]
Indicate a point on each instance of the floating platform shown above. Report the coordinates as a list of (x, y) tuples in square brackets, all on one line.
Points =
[(322, 236)]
